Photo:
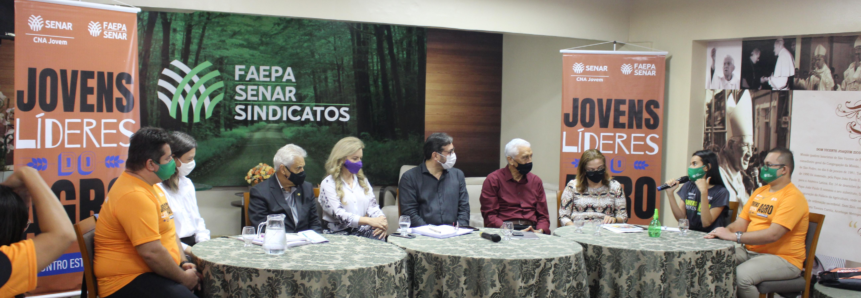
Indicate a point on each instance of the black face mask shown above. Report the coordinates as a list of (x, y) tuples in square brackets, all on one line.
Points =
[(595, 176), (524, 168), (296, 178)]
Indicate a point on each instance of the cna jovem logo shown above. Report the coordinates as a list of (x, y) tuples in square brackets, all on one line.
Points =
[(192, 85), (95, 28), (627, 69), (35, 22)]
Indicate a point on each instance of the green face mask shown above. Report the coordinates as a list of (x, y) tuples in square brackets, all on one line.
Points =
[(768, 174), (166, 170), (696, 173)]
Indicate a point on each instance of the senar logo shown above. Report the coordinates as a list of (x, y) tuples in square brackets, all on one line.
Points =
[(627, 68), (95, 28), (579, 67), (192, 85), (35, 23)]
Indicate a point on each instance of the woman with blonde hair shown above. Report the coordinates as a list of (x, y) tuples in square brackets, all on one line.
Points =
[(593, 194), (349, 205)]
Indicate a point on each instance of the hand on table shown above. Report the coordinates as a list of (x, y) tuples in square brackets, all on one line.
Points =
[(721, 233), (609, 220), (530, 229), (380, 233)]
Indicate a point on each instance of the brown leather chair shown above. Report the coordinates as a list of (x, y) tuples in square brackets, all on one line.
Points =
[(733, 211), (246, 196), (86, 231), (801, 284)]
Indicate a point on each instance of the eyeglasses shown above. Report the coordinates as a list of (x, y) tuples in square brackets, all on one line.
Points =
[(446, 153), (593, 170), (770, 165)]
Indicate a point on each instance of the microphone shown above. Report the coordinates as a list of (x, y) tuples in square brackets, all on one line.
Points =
[(682, 179), (491, 237)]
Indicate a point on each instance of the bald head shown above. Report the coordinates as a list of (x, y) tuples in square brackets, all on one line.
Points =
[(728, 67)]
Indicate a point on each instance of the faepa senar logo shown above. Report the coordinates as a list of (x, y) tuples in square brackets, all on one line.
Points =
[(94, 28), (196, 92), (579, 67), (627, 69)]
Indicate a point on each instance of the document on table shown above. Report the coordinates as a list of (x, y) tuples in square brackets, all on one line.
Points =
[(623, 228), (293, 240), (526, 235), (441, 231)]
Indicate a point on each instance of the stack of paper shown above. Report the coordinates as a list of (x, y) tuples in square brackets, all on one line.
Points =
[(293, 240), (623, 228), (440, 231)]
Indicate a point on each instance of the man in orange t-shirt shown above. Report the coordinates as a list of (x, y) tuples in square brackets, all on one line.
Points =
[(773, 226), (137, 251)]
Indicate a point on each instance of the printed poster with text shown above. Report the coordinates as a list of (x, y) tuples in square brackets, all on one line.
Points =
[(76, 100), (614, 103), (826, 141)]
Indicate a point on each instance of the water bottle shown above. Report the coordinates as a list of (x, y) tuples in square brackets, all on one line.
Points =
[(655, 226)]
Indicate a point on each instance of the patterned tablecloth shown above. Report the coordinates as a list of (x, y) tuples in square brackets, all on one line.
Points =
[(634, 265), (346, 266), (820, 291), (471, 266)]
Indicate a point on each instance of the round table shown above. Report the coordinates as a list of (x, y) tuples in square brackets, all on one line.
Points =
[(820, 291), (635, 265), (471, 266), (346, 266)]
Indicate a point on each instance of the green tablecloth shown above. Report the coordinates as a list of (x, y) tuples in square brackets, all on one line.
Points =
[(634, 265), (470, 266), (346, 266), (820, 291)]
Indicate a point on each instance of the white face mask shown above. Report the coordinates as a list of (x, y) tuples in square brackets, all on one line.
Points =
[(185, 168), (449, 161)]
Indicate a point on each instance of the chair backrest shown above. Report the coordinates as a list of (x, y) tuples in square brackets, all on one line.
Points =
[(404, 169), (733, 210), (246, 196), (323, 222), (86, 230), (810, 242), (558, 206)]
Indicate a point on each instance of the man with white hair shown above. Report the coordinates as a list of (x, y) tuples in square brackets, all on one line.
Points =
[(783, 69), (725, 80), (286, 192), (514, 194), (820, 76)]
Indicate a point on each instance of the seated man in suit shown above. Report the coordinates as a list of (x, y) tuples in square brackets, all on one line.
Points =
[(286, 193)]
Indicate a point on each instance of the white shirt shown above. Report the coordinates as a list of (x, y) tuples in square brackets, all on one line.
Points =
[(720, 82), (851, 78), (288, 197), (356, 204), (183, 203), (783, 69)]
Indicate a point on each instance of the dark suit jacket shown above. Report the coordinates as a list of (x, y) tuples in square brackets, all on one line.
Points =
[(267, 198)]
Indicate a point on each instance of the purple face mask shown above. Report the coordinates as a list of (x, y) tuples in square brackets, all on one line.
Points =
[(353, 167)]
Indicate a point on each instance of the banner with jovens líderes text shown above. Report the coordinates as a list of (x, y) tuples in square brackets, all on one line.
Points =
[(614, 102), (77, 106)]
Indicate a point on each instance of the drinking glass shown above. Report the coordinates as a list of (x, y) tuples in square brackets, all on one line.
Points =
[(507, 229), (597, 222), (404, 224), (248, 235), (684, 225), (579, 221)]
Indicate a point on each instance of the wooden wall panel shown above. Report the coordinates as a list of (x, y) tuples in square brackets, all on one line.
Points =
[(7, 69), (463, 95)]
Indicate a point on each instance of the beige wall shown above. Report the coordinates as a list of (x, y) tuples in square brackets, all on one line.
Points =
[(532, 98), (605, 19), (681, 28)]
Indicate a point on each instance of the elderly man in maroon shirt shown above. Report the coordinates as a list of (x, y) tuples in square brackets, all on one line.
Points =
[(513, 194)]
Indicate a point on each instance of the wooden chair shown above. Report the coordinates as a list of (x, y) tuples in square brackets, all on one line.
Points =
[(558, 206), (799, 284), (86, 230), (733, 211), (246, 196)]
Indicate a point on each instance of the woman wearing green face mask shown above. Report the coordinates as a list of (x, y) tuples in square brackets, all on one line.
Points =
[(704, 198)]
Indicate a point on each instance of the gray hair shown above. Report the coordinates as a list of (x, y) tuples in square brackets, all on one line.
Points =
[(287, 155), (513, 147)]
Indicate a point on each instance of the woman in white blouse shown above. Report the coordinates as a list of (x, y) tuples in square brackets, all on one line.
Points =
[(180, 193), (593, 195), (349, 205)]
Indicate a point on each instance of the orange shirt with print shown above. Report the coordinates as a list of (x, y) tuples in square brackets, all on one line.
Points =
[(18, 268), (786, 207), (134, 213)]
